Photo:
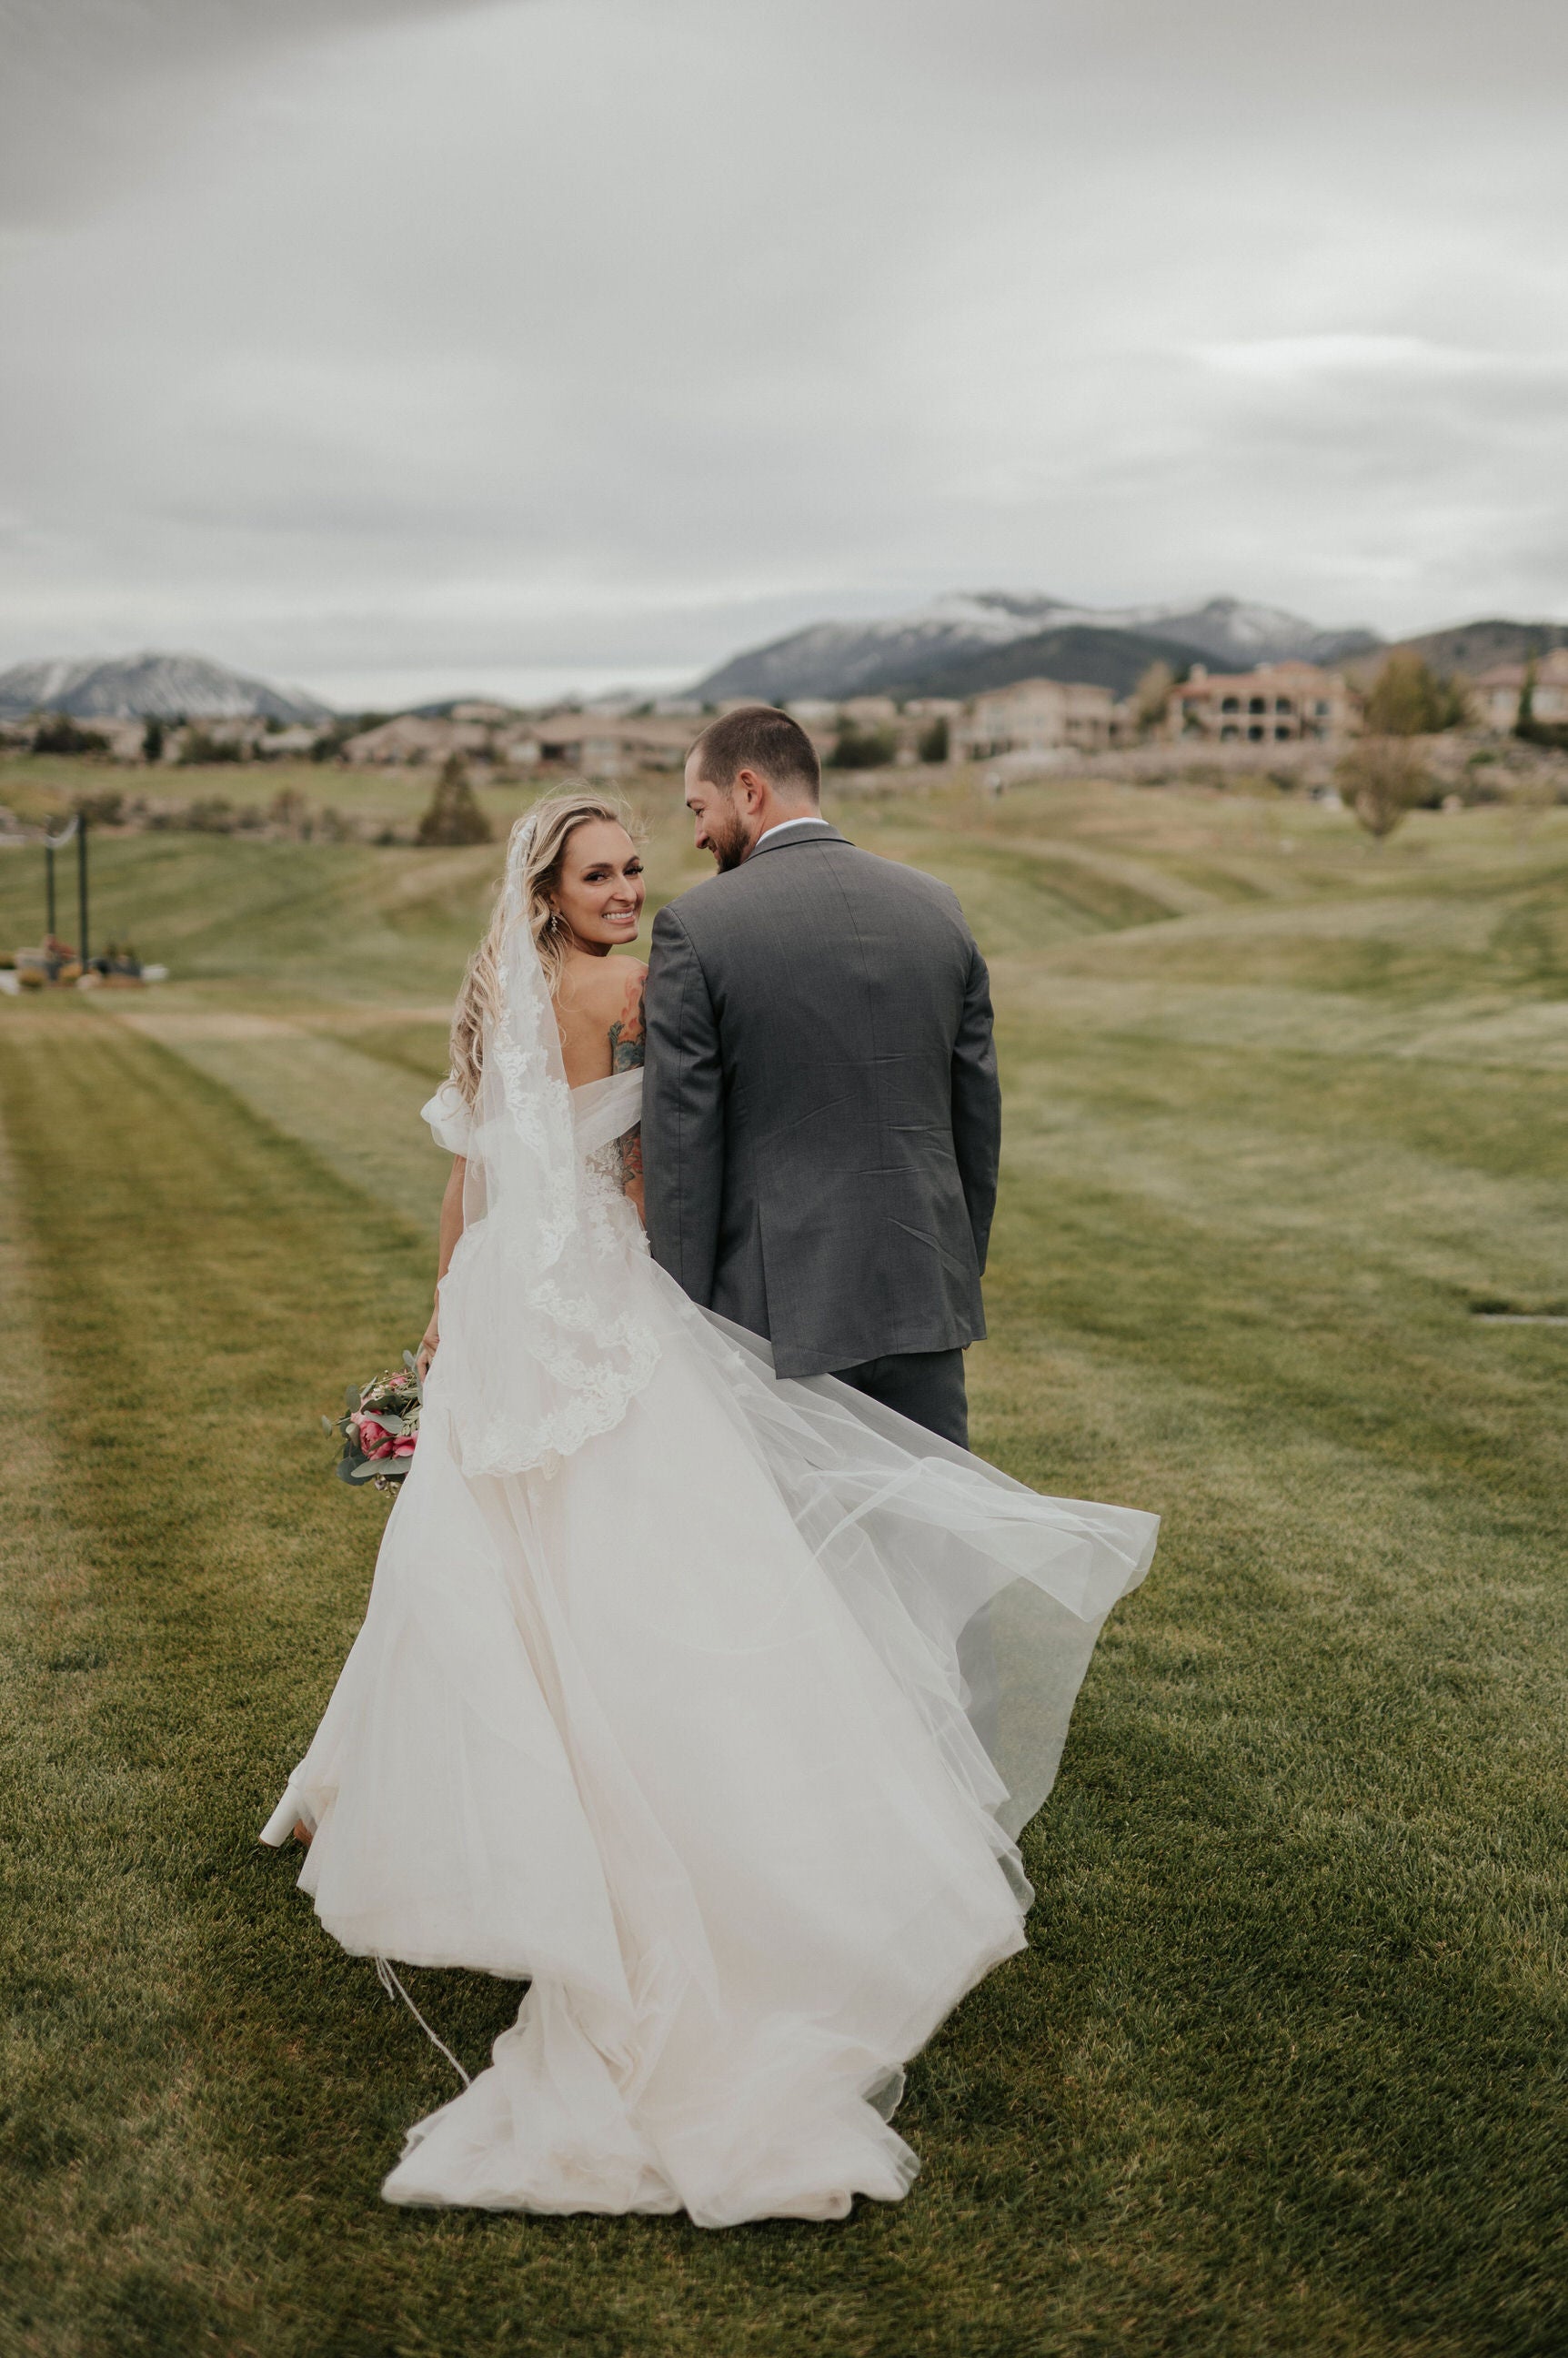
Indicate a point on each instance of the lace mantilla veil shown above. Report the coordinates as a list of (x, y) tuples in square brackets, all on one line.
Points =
[(541, 1348)]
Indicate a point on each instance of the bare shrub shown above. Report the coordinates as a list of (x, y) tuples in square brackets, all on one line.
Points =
[(1150, 696), (1380, 779)]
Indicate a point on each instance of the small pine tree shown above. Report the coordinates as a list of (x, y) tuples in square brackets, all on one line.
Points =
[(152, 739), (453, 816), (936, 741), (1524, 720)]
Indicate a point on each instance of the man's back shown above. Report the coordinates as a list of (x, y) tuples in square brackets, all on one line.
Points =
[(821, 1118)]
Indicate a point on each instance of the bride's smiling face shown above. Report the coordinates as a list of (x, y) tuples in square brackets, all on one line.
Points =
[(600, 889)]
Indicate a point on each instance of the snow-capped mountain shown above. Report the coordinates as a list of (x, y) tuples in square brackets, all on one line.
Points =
[(942, 641), (1234, 631), (133, 687)]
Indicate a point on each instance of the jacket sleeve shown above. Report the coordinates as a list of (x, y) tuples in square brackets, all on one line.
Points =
[(976, 1104), (682, 1112)]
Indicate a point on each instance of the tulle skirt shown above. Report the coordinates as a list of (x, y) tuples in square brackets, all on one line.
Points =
[(717, 1735)]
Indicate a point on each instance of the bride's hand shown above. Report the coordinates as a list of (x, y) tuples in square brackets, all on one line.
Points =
[(429, 1346)]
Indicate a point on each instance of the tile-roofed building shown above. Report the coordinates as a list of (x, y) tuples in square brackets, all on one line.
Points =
[(1035, 716), (1496, 693), (1279, 703)]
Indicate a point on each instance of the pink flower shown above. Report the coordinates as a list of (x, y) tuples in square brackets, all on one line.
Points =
[(374, 1438), (404, 1448)]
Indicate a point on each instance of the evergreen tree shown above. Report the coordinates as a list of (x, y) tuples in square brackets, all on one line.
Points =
[(453, 816), (1524, 723)]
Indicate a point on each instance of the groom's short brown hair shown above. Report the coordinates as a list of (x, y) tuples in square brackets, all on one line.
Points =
[(758, 738)]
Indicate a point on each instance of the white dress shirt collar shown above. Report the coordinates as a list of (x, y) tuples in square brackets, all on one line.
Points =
[(768, 833)]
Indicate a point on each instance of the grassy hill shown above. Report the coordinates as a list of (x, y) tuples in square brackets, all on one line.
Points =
[(1282, 2070)]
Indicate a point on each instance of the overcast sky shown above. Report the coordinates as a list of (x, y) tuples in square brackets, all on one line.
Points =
[(402, 347)]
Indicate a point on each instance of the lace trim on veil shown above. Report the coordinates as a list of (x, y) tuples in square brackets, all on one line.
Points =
[(539, 1352)]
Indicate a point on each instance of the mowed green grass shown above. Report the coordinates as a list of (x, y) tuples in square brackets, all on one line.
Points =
[(1283, 2069)]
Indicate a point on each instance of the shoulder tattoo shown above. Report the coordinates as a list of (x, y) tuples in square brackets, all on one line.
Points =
[(627, 1039)]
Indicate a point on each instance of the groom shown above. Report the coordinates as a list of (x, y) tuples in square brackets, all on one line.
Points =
[(821, 1118)]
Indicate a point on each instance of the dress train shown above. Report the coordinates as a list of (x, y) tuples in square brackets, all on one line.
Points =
[(716, 1730)]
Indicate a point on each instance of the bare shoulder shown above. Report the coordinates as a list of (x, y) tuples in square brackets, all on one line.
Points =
[(599, 1013), (624, 985), (609, 983)]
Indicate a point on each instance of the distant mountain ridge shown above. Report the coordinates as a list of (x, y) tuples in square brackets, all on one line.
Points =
[(961, 643), (1475, 647), (1096, 658), (151, 687)]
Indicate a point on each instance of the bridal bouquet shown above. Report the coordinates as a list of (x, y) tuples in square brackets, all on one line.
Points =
[(380, 1425)]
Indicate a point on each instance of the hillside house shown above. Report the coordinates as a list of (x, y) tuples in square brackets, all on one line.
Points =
[(1279, 703), (588, 743), (125, 739), (598, 747), (1496, 693), (1035, 716), (294, 744), (409, 741)]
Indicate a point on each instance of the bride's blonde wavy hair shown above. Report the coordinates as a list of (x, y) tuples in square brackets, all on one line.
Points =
[(537, 843)]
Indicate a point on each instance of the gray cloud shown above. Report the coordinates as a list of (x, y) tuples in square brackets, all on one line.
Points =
[(593, 334), (94, 89)]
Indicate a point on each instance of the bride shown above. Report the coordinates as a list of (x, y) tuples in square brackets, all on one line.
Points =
[(657, 1704)]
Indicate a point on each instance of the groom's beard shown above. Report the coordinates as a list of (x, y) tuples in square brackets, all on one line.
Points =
[(728, 839)]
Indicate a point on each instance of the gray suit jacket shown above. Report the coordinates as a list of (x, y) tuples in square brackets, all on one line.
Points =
[(821, 1119)]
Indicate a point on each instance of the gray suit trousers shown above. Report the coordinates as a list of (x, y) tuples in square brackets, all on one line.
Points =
[(928, 1387)]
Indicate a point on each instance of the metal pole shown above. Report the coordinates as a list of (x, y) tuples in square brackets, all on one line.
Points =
[(53, 843), (82, 883)]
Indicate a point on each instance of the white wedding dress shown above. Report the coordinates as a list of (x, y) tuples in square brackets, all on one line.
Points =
[(658, 1706)]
